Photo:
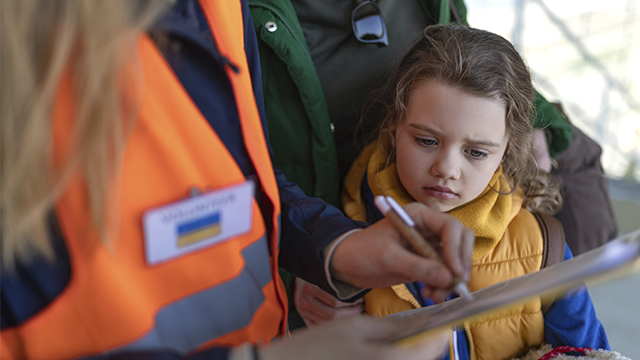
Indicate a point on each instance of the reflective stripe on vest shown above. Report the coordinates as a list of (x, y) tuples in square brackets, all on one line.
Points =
[(231, 313), (221, 295)]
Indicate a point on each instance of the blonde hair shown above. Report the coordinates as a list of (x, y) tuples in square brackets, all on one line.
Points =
[(39, 41), (484, 64)]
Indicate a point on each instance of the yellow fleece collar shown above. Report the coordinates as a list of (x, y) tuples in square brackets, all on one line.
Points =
[(487, 215)]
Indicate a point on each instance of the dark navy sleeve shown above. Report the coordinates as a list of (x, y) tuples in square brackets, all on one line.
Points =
[(308, 224), (571, 320)]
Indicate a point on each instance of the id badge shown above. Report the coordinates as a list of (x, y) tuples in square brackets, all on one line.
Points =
[(197, 222)]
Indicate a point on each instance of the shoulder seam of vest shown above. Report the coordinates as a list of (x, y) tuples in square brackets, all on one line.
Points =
[(506, 316), (508, 261)]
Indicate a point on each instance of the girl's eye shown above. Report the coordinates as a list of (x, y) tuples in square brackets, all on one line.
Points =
[(426, 142), (477, 154)]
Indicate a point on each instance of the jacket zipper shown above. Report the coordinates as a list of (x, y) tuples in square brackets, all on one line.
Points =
[(467, 335), (281, 18)]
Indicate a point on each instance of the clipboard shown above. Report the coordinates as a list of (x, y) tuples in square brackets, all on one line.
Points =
[(615, 259)]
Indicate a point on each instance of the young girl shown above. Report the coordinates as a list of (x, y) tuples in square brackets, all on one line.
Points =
[(456, 137)]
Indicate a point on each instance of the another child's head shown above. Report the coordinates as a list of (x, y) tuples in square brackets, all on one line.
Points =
[(456, 108)]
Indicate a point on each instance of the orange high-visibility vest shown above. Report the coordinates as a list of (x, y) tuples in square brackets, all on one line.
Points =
[(225, 294)]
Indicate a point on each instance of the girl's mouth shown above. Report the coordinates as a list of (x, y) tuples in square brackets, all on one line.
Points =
[(439, 192)]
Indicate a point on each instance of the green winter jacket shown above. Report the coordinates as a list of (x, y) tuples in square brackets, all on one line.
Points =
[(300, 131)]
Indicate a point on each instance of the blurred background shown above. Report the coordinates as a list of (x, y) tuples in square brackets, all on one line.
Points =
[(585, 54)]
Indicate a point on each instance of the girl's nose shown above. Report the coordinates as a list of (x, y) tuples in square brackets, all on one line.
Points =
[(446, 166)]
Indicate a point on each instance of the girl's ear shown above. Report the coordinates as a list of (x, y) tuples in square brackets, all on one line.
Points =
[(506, 152), (392, 136)]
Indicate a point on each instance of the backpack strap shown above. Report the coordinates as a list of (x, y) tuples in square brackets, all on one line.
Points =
[(554, 245), (554, 240)]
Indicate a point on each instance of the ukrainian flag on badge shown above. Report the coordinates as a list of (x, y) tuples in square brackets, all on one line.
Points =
[(199, 229)]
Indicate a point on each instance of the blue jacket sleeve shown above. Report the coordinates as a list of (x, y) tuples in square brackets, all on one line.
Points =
[(571, 320)]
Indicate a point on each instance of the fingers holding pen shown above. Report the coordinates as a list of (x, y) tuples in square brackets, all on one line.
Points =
[(457, 241), (381, 255)]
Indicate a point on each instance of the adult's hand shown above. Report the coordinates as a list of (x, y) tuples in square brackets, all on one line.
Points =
[(353, 337), (378, 256), (316, 306)]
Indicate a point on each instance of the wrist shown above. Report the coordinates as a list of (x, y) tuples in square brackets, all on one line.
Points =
[(342, 289), (329, 264)]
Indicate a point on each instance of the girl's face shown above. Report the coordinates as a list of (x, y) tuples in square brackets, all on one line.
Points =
[(450, 145)]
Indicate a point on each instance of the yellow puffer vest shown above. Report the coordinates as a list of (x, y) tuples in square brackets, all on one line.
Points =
[(501, 335)]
